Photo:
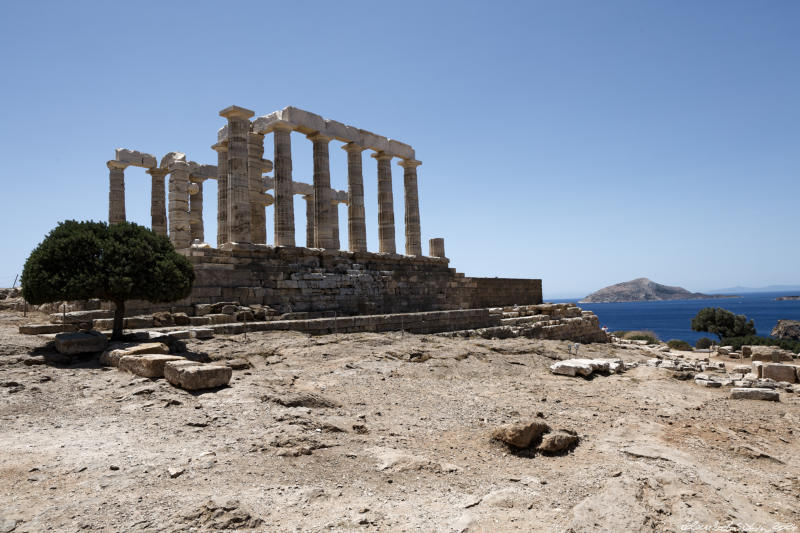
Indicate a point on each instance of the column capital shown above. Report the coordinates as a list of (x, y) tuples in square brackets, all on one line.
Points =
[(116, 165), (409, 163), (157, 172), (234, 112), (380, 156), (353, 148), (220, 147), (318, 137)]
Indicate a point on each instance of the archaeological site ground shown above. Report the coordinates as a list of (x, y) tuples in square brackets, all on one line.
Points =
[(316, 388)]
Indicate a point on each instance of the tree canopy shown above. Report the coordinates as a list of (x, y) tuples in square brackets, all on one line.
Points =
[(722, 323), (117, 262)]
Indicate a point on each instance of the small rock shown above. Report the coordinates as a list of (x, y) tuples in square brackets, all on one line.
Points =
[(175, 472), (520, 435), (557, 441)]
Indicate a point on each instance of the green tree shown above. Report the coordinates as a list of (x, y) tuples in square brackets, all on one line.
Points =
[(123, 261), (722, 323)]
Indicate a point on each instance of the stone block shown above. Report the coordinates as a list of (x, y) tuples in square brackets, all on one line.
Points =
[(43, 329), (754, 394), (571, 368), (117, 351), (770, 354), (149, 365), (195, 376), (75, 343), (199, 321), (203, 333), (137, 322), (779, 372)]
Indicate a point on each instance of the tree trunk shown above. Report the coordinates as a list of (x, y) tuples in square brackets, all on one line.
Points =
[(119, 315)]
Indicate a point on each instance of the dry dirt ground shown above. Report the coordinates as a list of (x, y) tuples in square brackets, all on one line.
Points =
[(384, 432)]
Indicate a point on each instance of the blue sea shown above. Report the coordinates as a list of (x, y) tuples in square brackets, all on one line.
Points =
[(672, 319)]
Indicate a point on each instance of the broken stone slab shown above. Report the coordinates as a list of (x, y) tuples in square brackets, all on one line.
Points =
[(572, 367), (75, 343), (135, 158), (147, 365), (43, 329), (755, 393), (117, 351), (779, 372), (520, 435), (190, 375), (707, 383)]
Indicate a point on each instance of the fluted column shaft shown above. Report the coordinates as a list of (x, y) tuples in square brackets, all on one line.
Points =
[(309, 198), (222, 192), (333, 217), (323, 232), (116, 191), (258, 216), (239, 227), (386, 239), (284, 202), (196, 211), (158, 207), (179, 229), (356, 225), (413, 237)]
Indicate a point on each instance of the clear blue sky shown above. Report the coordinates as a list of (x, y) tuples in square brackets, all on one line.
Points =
[(584, 143)]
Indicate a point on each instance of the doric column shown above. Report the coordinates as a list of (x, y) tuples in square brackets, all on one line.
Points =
[(385, 204), (179, 229), (323, 232), (258, 216), (196, 210), (333, 216), (238, 181), (356, 225), (222, 192), (436, 247), (309, 198), (116, 191), (413, 237), (158, 207), (284, 202)]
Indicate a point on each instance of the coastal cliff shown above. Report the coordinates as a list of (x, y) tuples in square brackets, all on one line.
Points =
[(644, 290)]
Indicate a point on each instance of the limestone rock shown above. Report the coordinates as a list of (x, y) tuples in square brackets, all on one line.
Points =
[(558, 441), (117, 351), (190, 375), (754, 394), (779, 372), (148, 365), (787, 329), (75, 343), (766, 353), (572, 367), (520, 435)]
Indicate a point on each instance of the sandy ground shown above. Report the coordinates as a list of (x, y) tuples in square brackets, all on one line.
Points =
[(384, 432)]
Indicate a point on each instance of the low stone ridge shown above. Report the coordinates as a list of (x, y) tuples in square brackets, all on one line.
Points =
[(118, 350), (644, 290), (77, 343), (44, 329), (190, 375), (787, 329), (715, 375), (147, 365)]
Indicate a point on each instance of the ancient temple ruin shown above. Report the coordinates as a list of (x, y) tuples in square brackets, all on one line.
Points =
[(249, 267)]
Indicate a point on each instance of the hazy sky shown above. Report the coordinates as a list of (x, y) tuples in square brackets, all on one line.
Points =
[(584, 143)]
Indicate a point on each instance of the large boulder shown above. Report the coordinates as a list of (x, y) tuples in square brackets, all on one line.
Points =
[(771, 354), (190, 375), (787, 329), (754, 394), (148, 365), (75, 343), (520, 435)]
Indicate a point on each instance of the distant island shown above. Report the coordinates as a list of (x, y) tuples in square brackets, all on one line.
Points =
[(645, 290), (779, 298)]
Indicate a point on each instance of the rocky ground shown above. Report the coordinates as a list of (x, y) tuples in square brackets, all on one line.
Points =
[(386, 432)]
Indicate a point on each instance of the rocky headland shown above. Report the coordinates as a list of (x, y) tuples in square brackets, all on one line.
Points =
[(645, 290), (783, 298)]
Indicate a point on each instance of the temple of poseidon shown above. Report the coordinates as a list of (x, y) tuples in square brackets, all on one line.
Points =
[(318, 280)]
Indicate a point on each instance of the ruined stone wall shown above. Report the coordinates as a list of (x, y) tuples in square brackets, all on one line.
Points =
[(291, 279)]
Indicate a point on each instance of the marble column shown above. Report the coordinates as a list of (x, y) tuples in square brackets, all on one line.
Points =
[(179, 229), (333, 216), (323, 232), (116, 191), (436, 247), (284, 201), (309, 198), (196, 210), (385, 204), (222, 192), (413, 237), (356, 225), (158, 208), (258, 216), (239, 227)]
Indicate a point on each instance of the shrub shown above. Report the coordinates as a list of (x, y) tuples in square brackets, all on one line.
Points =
[(754, 340), (722, 323), (677, 344), (642, 335), (703, 343), (123, 261)]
